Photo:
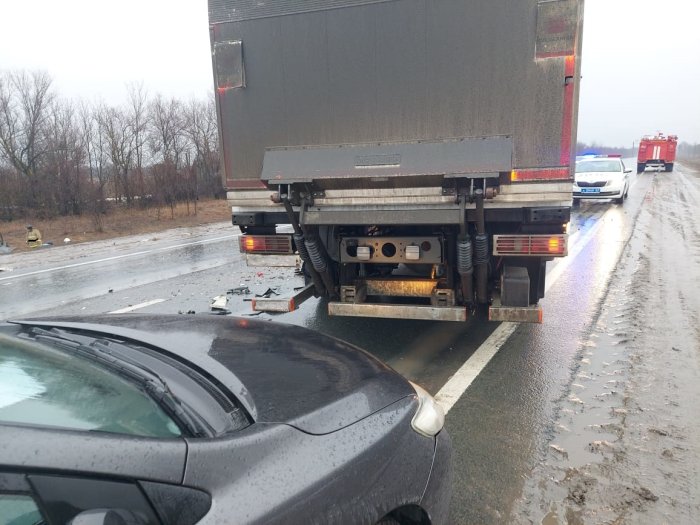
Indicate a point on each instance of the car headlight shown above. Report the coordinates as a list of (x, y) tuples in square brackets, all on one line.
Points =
[(430, 417)]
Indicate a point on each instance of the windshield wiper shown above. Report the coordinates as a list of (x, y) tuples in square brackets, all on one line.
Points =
[(103, 353)]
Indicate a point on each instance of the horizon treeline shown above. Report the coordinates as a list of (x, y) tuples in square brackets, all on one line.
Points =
[(71, 157), (60, 156)]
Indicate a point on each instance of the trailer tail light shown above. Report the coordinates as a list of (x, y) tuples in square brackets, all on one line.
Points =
[(530, 245), (266, 244)]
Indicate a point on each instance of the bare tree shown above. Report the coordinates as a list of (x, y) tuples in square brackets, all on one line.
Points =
[(166, 126), (118, 136), (25, 99), (97, 155), (202, 131), (687, 150), (137, 110), (64, 159), (88, 135), (167, 144)]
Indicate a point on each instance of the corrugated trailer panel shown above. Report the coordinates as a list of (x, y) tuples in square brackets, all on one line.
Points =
[(349, 72)]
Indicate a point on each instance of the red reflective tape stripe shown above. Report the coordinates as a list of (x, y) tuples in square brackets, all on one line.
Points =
[(546, 174), (568, 110)]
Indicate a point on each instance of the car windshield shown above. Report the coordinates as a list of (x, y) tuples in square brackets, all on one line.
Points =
[(586, 166), (45, 387)]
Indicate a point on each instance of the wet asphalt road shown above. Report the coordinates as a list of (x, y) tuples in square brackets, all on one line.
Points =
[(503, 425)]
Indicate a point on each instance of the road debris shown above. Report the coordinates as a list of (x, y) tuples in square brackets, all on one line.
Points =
[(269, 292), (219, 302), (239, 290)]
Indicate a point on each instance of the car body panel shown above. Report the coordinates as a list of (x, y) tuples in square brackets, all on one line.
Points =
[(333, 383), (436, 499), (312, 477), (343, 450), (116, 455)]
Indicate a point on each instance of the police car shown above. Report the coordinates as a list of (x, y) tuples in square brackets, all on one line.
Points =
[(601, 177)]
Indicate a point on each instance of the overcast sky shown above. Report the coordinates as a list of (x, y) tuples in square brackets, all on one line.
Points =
[(641, 58)]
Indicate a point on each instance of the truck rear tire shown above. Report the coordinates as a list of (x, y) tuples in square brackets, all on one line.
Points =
[(640, 167), (669, 166)]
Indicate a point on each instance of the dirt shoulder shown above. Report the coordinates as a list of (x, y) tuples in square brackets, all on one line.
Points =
[(625, 446), (118, 222)]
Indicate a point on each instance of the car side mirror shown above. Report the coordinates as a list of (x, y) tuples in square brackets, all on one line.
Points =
[(107, 517)]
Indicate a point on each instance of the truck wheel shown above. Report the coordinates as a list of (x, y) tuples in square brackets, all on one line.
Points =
[(640, 167), (669, 166), (577, 202)]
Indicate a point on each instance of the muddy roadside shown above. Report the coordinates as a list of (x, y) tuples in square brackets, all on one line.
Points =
[(625, 444), (120, 221)]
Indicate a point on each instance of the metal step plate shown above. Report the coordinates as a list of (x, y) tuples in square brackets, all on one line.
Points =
[(398, 311)]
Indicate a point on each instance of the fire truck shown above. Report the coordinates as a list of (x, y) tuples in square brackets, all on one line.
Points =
[(657, 151), (421, 153)]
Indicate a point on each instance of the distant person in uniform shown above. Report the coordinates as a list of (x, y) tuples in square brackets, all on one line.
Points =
[(33, 237)]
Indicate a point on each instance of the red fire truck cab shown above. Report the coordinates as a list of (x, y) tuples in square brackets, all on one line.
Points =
[(657, 151)]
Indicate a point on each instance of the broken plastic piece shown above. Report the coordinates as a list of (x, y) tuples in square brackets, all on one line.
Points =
[(268, 293), (219, 302)]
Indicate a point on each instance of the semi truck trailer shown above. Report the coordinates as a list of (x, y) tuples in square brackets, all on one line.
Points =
[(657, 151), (415, 155)]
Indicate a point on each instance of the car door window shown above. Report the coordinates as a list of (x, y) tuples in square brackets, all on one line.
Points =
[(42, 386), (19, 509), (64, 498)]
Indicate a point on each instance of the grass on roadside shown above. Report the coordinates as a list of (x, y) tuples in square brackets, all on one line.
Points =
[(117, 222)]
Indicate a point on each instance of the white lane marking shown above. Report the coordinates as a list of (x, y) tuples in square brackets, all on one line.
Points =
[(116, 257), (455, 387), (451, 391), (136, 306)]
